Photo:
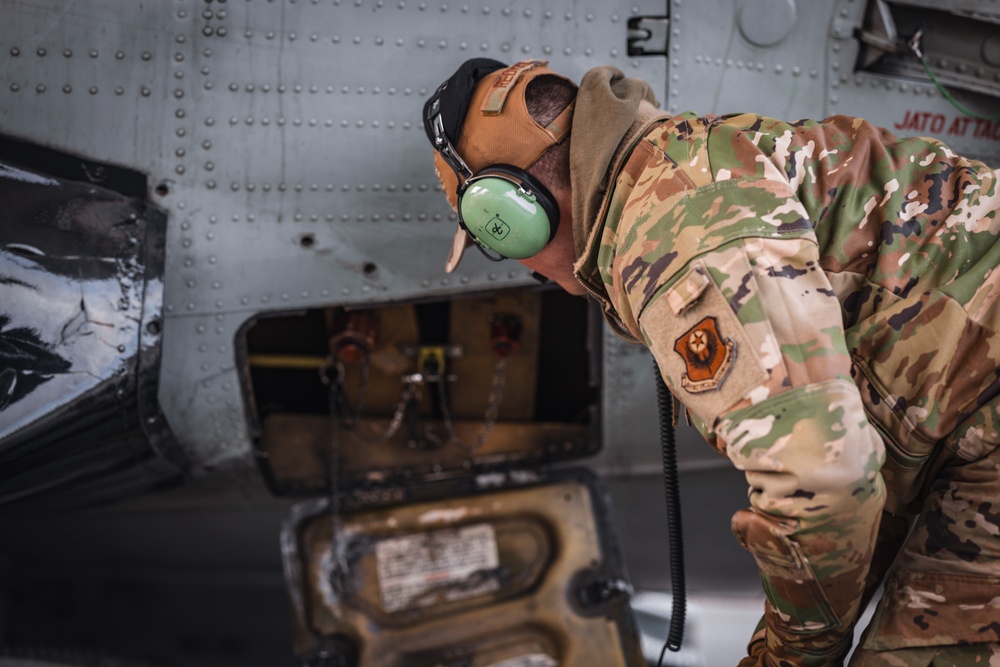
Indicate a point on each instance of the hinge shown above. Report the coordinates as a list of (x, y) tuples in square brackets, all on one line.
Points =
[(648, 35)]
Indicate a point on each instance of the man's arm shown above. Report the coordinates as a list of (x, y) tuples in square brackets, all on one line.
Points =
[(749, 334)]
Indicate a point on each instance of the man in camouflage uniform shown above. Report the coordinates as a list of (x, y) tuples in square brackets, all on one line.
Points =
[(821, 296)]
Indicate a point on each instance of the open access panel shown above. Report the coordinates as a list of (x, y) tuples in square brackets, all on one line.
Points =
[(441, 525)]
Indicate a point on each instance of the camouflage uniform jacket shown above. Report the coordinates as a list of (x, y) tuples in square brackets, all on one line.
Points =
[(821, 297)]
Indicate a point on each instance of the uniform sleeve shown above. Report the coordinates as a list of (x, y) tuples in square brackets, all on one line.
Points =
[(749, 336)]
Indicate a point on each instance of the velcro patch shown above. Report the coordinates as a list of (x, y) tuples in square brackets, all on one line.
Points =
[(494, 100), (707, 356)]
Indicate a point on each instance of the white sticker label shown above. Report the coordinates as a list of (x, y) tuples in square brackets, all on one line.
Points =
[(529, 660), (437, 566)]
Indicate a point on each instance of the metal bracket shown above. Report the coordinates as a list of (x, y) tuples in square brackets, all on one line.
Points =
[(648, 35)]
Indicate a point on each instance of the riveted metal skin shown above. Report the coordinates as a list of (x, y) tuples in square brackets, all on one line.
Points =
[(259, 124)]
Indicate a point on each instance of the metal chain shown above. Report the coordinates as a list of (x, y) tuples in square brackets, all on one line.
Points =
[(341, 413), (489, 418), (338, 552), (409, 391)]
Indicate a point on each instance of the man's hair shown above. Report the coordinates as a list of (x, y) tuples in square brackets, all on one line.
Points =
[(546, 97)]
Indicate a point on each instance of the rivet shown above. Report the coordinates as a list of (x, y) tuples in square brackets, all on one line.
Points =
[(145, 92), (41, 53), (209, 121), (356, 39), (210, 184), (67, 89), (40, 88), (15, 87), (181, 132), (292, 36), (270, 35), (120, 55), (335, 39), (248, 120), (313, 37), (146, 55), (234, 186)]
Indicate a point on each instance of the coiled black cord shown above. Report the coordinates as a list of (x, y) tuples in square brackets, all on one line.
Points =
[(671, 484)]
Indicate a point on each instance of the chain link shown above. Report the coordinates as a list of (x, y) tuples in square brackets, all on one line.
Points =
[(489, 418), (338, 551)]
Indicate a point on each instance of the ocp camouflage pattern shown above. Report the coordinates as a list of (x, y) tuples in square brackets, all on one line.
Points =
[(854, 275)]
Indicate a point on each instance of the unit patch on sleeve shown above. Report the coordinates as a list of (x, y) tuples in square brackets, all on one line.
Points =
[(708, 357)]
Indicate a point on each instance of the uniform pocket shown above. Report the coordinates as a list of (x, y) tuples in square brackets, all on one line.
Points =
[(794, 593), (936, 609)]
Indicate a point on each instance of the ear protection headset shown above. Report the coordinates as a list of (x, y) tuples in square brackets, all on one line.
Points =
[(506, 211)]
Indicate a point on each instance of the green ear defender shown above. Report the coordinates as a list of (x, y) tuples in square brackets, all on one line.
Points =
[(507, 211)]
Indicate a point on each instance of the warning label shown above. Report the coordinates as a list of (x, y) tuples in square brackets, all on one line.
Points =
[(530, 660), (438, 566)]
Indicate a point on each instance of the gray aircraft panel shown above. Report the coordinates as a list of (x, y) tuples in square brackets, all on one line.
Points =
[(285, 142)]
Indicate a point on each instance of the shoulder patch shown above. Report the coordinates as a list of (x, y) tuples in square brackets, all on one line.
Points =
[(707, 356)]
